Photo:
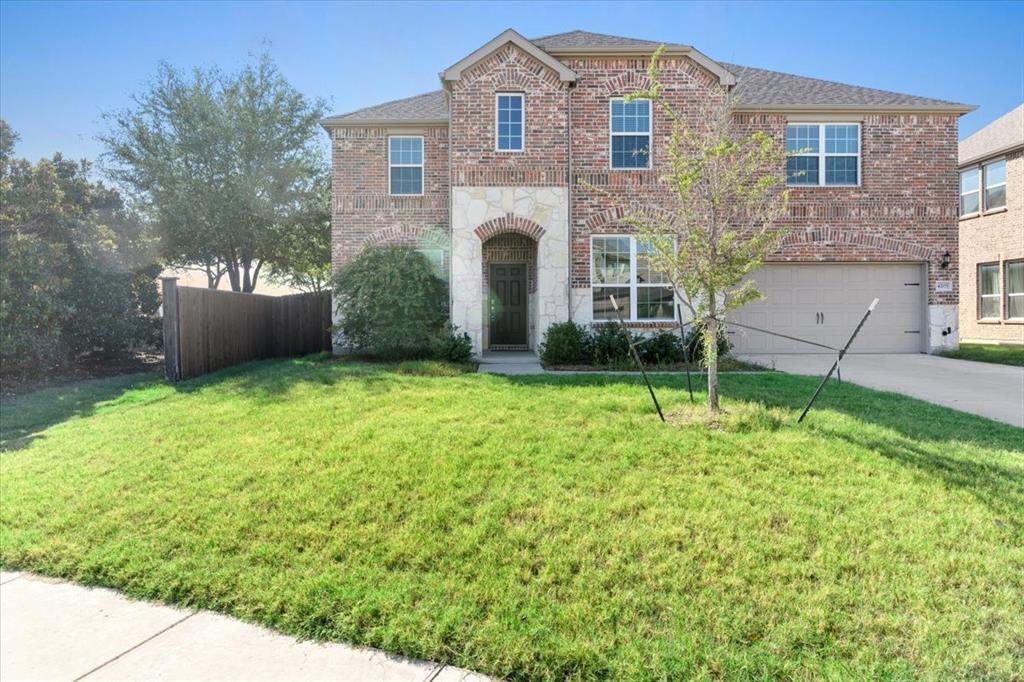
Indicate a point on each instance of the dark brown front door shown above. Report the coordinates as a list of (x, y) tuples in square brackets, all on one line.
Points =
[(508, 305)]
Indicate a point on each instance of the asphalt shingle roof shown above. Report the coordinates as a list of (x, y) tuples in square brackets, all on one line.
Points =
[(755, 88), (1001, 135), (760, 87), (588, 39), (428, 107)]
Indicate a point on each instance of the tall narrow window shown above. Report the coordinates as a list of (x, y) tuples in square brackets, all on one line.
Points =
[(621, 269), (1015, 289), (824, 154), (405, 164), (509, 128), (988, 291), (995, 185), (630, 133), (970, 191)]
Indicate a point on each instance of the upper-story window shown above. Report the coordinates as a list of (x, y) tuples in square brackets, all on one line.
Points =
[(983, 188), (405, 164), (509, 131), (970, 192), (630, 133), (621, 269), (995, 184), (823, 154)]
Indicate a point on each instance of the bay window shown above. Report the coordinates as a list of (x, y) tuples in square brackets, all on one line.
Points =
[(823, 154), (621, 269)]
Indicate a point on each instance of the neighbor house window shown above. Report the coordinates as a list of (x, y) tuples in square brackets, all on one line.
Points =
[(988, 291), (995, 184), (823, 154), (621, 269), (630, 133), (509, 130), (405, 164), (970, 191), (1015, 290)]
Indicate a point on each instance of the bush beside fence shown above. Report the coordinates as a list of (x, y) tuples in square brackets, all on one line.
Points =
[(206, 330)]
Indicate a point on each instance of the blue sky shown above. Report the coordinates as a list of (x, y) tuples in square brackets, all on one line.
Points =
[(63, 64)]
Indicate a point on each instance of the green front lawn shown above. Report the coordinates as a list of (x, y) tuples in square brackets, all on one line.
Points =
[(983, 352), (540, 527)]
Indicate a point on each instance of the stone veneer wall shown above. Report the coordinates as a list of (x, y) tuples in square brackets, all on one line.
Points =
[(995, 237), (481, 213)]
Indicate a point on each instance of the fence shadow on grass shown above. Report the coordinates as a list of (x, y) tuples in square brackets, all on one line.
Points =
[(23, 418)]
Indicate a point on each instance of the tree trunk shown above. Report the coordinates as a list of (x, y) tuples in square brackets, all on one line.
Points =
[(233, 276), (711, 357)]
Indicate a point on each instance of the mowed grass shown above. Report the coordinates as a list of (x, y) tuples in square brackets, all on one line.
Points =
[(542, 527), (983, 352)]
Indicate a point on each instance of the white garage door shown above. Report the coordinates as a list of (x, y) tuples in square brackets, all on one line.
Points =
[(824, 303)]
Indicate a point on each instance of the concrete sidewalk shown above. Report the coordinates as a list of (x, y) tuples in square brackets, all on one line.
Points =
[(55, 630)]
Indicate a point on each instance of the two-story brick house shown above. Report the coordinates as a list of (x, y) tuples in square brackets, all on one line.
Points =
[(992, 232), (512, 179)]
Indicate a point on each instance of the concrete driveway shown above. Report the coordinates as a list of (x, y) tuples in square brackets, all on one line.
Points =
[(985, 389)]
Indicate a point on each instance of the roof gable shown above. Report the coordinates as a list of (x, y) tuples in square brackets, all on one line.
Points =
[(587, 43), (454, 72)]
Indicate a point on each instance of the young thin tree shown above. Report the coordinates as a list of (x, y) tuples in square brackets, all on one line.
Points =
[(728, 188)]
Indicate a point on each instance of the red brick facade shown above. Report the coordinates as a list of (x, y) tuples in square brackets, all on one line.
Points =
[(905, 208), (362, 211)]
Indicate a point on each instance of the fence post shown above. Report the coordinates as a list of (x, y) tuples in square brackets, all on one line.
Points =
[(172, 363)]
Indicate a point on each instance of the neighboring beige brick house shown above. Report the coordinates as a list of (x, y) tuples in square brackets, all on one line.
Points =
[(494, 178), (992, 232)]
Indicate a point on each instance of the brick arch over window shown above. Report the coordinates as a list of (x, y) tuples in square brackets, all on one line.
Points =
[(428, 236), (509, 222), (612, 218), (625, 83), (827, 236)]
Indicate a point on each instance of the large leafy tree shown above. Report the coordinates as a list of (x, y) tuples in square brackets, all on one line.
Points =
[(78, 265), (226, 165), (728, 189)]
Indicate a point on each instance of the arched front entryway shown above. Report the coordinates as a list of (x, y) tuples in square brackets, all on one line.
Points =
[(509, 292)]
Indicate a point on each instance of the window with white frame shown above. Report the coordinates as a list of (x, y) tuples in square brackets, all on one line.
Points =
[(823, 154), (405, 164), (983, 188), (1015, 289), (988, 291), (995, 184), (621, 269), (630, 129), (970, 191), (509, 118)]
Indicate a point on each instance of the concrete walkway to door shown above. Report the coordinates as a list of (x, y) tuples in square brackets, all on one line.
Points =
[(507, 362), (985, 389)]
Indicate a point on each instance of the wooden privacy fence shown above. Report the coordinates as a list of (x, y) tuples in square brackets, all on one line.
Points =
[(206, 329)]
